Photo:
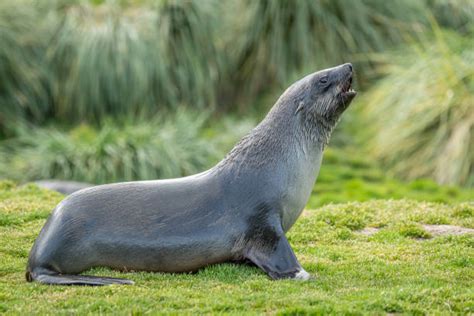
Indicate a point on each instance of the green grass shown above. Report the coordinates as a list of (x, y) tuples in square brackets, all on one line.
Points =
[(393, 271), (348, 175)]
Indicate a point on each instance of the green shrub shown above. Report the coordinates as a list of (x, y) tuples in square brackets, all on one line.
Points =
[(172, 145), (79, 61), (281, 37), (116, 60), (423, 111), (160, 148), (457, 14), (22, 88), (104, 60)]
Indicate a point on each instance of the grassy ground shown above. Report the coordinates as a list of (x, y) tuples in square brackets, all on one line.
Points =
[(399, 269), (349, 175)]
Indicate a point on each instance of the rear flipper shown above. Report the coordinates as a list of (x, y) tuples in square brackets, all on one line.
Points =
[(51, 277)]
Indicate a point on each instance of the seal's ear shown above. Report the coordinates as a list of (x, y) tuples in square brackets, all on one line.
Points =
[(300, 107)]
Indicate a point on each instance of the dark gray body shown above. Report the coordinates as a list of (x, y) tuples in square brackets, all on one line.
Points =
[(62, 186), (240, 209)]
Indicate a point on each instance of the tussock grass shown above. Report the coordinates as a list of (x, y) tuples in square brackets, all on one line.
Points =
[(390, 272), (423, 111), (283, 37), (22, 88), (76, 61), (170, 146), (165, 147), (458, 14), (85, 60), (112, 59)]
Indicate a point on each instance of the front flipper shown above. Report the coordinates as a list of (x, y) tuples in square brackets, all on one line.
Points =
[(277, 259)]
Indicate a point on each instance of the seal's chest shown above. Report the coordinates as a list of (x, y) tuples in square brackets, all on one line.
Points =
[(298, 189)]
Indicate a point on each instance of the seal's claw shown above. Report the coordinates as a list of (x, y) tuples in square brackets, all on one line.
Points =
[(303, 275)]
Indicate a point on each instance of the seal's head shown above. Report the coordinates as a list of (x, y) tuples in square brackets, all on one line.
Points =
[(323, 95)]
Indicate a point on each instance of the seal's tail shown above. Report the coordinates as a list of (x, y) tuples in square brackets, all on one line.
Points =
[(46, 276)]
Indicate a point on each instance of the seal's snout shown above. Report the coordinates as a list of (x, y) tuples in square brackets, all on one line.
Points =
[(346, 71), (348, 66)]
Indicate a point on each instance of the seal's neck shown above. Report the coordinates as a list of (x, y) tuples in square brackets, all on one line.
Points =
[(282, 136)]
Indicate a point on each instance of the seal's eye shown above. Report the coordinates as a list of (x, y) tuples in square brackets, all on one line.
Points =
[(324, 79)]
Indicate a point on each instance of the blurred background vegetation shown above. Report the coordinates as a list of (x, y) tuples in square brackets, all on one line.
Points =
[(105, 91)]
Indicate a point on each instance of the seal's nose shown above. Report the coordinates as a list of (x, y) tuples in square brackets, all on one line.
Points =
[(349, 65)]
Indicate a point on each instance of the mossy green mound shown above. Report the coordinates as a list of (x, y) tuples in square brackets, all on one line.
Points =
[(399, 269)]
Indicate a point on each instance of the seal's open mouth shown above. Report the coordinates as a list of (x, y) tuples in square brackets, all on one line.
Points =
[(347, 86), (346, 89)]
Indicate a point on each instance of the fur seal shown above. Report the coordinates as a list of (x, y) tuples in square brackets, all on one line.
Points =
[(238, 210)]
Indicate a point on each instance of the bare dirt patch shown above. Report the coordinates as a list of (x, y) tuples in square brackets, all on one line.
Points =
[(368, 231), (435, 230)]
